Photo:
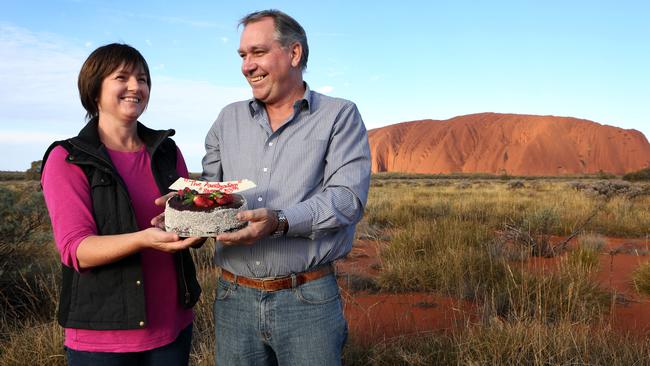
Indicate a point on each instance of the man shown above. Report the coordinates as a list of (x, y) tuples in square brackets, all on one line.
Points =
[(277, 299)]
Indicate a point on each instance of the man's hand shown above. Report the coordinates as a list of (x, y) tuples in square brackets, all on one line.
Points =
[(261, 223)]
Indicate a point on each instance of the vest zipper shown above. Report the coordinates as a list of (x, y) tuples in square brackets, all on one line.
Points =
[(187, 291)]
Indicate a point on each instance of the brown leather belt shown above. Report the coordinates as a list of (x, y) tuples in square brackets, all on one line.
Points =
[(280, 283)]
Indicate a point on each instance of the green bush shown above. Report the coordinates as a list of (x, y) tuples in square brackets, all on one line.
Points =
[(27, 257), (640, 175)]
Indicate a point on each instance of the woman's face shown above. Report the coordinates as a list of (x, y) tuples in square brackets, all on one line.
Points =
[(124, 94)]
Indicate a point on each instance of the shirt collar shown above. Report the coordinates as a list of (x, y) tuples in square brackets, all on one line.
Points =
[(256, 106)]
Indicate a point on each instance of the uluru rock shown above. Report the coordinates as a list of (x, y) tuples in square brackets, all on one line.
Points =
[(508, 144)]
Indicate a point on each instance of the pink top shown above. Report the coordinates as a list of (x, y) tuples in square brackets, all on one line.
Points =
[(67, 195)]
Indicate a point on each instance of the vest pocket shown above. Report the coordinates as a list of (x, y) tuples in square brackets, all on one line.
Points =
[(98, 298)]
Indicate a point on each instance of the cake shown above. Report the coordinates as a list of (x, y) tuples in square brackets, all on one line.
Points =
[(190, 213)]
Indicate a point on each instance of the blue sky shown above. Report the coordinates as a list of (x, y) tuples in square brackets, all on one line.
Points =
[(398, 61)]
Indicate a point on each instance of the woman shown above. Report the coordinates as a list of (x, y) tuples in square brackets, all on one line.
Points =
[(127, 288)]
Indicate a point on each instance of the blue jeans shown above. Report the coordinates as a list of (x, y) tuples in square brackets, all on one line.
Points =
[(298, 326), (173, 354)]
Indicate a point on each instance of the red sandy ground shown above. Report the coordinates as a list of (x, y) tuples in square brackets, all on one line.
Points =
[(374, 317)]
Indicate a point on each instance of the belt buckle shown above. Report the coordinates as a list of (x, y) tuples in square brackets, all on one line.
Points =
[(264, 285)]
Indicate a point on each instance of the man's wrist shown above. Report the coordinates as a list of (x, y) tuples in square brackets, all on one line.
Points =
[(283, 225)]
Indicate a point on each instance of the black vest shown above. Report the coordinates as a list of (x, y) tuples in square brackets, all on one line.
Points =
[(112, 296)]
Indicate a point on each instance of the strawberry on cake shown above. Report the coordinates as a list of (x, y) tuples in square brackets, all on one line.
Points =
[(190, 213)]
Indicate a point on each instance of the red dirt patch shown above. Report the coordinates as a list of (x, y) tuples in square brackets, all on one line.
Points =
[(632, 310), (373, 317)]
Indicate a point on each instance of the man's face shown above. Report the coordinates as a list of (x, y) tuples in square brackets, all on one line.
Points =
[(269, 68)]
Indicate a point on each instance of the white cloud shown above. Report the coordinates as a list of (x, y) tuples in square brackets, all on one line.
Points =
[(39, 74), (25, 137), (325, 89), (39, 102)]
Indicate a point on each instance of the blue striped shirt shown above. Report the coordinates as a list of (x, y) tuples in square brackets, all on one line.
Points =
[(315, 168)]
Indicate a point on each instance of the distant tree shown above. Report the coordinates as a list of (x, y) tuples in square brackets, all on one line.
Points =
[(34, 172)]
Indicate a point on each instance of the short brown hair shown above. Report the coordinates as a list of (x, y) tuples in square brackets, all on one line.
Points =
[(101, 63)]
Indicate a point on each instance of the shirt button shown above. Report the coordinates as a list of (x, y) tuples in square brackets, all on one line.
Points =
[(141, 324), (270, 144), (265, 170), (259, 199), (258, 263), (138, 283)]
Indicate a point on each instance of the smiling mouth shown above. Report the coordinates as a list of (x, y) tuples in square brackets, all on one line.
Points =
[(255, 79), (132, 99)]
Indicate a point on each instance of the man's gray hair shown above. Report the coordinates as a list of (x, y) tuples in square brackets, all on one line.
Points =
[(287, 30)]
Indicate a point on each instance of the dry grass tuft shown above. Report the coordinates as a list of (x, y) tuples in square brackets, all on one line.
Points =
[(522, 343), (641, 278)]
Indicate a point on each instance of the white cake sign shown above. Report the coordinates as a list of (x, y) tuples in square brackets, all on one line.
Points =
[(200, 186)]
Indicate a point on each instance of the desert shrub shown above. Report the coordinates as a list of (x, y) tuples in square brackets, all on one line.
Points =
[(639, 175), (22, 213), (641, 278), (464, 184), (34, 171), (610, 188), (11, 175), (516, 184), (533, 230), (577, 185), (27, 259)]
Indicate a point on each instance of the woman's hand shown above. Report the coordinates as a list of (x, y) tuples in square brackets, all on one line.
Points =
[(98, 250), (169, 242)]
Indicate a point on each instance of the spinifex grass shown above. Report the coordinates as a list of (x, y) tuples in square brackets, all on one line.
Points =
[(493, 203), (521, 343), (450, 240), (586, 255), (641, 278)]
